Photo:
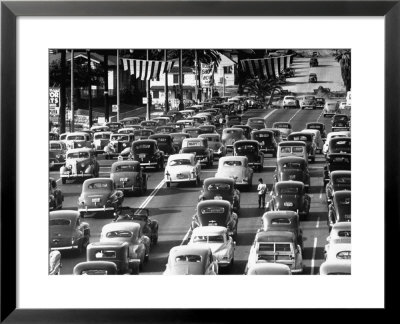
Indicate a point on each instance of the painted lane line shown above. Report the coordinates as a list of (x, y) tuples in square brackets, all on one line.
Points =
[(269, 114), (313, 255), (320, 115), (150, 197), (294, 115), (320, 194), (316, 226)]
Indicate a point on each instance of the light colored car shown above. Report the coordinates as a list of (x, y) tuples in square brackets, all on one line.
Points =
[(78, 140), (335, 268), (292, 148), (57, 151), (99, 128), (284, 127), (340, 233), (330, 109), (290, 102), (214, 143), (118, 143), (182, 168), (126, 130), (269, 269), (339, 252), (191, 260), (319, 143), (221, 244), (130, 232), (101, 140), (276, 247), (55, 262), (333, 135), (235, 167)]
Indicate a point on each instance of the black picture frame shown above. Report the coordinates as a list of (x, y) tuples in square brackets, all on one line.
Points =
[(10, 10)]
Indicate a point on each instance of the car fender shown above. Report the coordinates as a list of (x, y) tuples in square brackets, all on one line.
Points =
[(89, 169)]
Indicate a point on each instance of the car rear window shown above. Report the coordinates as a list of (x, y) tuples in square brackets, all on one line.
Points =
[(343, 255), (344, 233), (180, 162), (126, 168), (303, 138), (94, 272), (213, 210), (114, 234), (188, 258), (78, 155), (209, 239), (289, 190), (231, 131), (193, 143), (280, 221), (257, 121), (106, 254), (99, 185), (232, 163), (343, 180), (60, 222), (219, 186)]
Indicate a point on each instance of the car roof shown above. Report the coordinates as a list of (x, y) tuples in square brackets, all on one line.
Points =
[(108, 244), (342, 226), (290, 183), (126, 162), (208, 181), (206, 203), (95, 180), (232, 128), (209, 230), (286, 159), (233, 158), (191, 139), (292, 143), (188, 156), (275, 236), (269, 268), (186, 249), (70, 214), (344, 266), (125, 226)]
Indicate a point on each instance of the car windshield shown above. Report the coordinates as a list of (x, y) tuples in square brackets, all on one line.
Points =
[(319, 127), (60, 222), (292, 165), (246, 147), (78, 155), (344, 233), (320, 100), (99, 185), (193, 143), (232, 163), (219, 187), (76, 138), (101, 136), (266, 247), (180, 162), (119, 138), (193, 132), (289, 191), (55, 147), (208, 239), (188, 258), (126, 168), (288, 149), (114, 234), (262, 135), (106, 254), (282, 126), (142, 148)]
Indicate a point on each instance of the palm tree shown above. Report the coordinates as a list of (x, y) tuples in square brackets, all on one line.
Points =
[(262, 88), (344, 59)]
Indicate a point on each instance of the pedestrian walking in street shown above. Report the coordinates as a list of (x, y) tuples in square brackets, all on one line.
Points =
[(262, 191)]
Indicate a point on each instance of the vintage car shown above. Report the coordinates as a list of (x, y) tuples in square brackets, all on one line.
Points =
[(340, 233), (236, 168), (292, 168), (78, 140), (185, 123), (246, 130), (252, 150), (127, 130), (309, 139), (221, 189), (290, 102), (208, 129), (116, 252), (221, 244), (340, 122), (99, 128), (177, 127), (290, 195), (231, 135), (63, 137), (256, 123), (340, 208), (312, 78), (131, 233), (267, 141), (320, 103), (67, 231), (330, 109), (95, 268), (317, 139), (148, 226), (128, 121), (192, 131), (313, 62), (308, 102), (101, 140), (81, 163), (277, 134), (129, 177), (162, 120), (199, 120), (339, 145), (199, 147), (283, 220), (336, 162), (216, 213), (149, 124), (276, 247), (175, 115), (214, 143), (55, 262), (166, 129), (338, 180), (177, 139), (56, 197), (231, 120), (317, 126), (114, 126), (165, 144), (57, 151), (191, 260), (99, 195), (118, 143), (187, 113), (292, 148), (332, 135), (334, 267), (284, 127), (147, 153), (182, 167), (269, 269), (54, 137), (143, 134)]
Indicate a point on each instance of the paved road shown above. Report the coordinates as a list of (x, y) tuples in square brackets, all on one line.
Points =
[(173, 207)]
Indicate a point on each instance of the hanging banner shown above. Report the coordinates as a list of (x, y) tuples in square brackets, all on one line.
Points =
[(145, 69), (269, 67), (207, 75)]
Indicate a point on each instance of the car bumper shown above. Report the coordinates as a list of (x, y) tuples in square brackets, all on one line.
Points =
[(330, 113), (202, 160), (53, 164), (252, 164), (92, 209), (223, 263), (77, 175), (65, 248), (148, 164), (131, 188), (171, 180), (268, 151), (297, 270)]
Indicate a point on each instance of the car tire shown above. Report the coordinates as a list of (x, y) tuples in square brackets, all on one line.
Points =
[(155, 240), (63, 180), (168, 184)]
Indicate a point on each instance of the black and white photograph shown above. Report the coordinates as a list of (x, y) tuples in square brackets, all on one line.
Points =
[(199, 161)]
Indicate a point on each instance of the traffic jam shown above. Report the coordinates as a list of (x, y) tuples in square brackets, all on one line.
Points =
[(226, 186)]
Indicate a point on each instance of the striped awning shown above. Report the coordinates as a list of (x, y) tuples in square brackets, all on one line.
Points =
[(268, 67), (146, 69)]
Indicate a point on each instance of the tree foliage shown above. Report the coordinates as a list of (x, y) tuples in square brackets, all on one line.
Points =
[(262, 88), (344, 59)]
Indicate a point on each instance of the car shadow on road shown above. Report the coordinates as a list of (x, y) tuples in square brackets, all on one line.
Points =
[(159, 256), (308, 253), (250, 212), (245, 239), (161, 211), (314, 189), (238, 267)]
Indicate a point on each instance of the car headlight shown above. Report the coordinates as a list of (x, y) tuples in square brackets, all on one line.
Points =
[(83, 165)]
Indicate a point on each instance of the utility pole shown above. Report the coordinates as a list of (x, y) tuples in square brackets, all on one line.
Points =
[(72, 92), (180, 82), (147, 91), (105, 76), (63, 96), (89, 72), (196, 86), (223, 81), (166, 85), (117, 85)]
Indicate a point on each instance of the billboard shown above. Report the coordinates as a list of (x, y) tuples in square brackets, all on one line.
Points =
[(54, 98), (207, 75)]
